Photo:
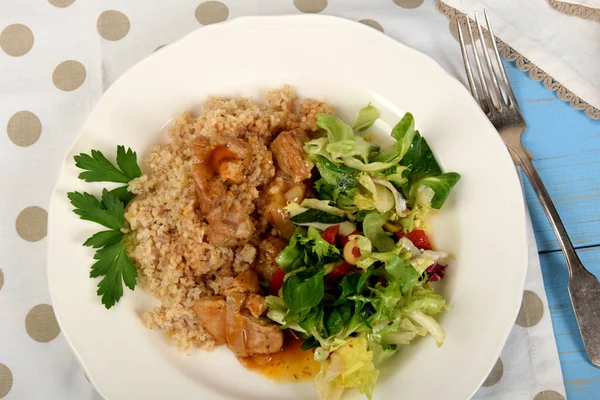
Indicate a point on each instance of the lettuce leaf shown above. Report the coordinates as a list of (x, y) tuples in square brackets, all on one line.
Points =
[(319, 246), (425, 171), (301, 292), (400, 203), (337, 183), (323, 205), (373, 229), (441, 185), (350, 148), (382, 352), (429, 323), (366, 117), (317, 147), (416, 317), (335, 128), (374, 196), (350, 366), (403, 132)]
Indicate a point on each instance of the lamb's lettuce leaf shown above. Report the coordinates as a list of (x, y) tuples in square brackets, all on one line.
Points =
[(441, 185), (423, 170)]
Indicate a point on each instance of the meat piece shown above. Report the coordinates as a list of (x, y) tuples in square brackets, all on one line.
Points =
[(235, 330), (288, 152), (235, 319), (229, 227), (264, 337), (255, 305), (277, 194), (246, 282), (247, 335), (217, 162), (268, 251), (211, 315)]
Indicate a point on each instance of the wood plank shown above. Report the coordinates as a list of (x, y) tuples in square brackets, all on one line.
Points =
[(566, 146), (582, 379)]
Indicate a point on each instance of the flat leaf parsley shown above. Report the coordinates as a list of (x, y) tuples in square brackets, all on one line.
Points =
[(113, 263)]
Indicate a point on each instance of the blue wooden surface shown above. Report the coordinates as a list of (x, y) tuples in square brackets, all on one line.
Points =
[(566, 147)]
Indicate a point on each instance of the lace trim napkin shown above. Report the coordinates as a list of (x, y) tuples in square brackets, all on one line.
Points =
[(575, 77)]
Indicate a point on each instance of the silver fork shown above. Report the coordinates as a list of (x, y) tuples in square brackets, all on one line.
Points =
[(496, 98)]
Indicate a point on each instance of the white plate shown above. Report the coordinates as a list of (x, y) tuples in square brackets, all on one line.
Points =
[(349, 64)]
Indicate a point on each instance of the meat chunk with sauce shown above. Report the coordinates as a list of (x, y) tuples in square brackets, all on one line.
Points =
[(268, 251), (229, 226), (290, 156), (219, 161), (246, 282), (276, 196), (236, 318), (211, 315), (255, 305), (247, 335), (263, 337)]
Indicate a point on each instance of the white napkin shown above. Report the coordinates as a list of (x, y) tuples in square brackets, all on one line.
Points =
[(527, 364), (566, 48), (55, 64)]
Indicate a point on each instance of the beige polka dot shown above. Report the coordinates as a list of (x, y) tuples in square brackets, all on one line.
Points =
[(372, 24), (532, 310), (68, 75), (1, 279), (24, 128), (61, 3), (32, 224), (495, 375), (41, 324), (113, 25), (409, 3), (16, 40), (549, 395), (160, 47), (454, 31), (310, 6), (6, 380), (211, 12)]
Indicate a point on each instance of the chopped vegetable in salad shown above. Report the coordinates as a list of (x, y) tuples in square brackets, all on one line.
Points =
[(354, 279)]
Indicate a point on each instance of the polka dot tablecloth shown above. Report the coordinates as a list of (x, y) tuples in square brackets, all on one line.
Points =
[(56, 59)]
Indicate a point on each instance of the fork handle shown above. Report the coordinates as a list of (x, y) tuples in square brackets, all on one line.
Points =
[(573, 262), (584, 288)]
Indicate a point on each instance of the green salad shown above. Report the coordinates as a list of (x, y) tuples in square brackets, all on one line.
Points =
[(354, 280)]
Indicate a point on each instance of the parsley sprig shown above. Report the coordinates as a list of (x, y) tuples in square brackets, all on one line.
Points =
[(112, 262)]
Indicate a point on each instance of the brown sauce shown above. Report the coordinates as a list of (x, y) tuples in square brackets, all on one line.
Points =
[(290, 364), (220, 154)]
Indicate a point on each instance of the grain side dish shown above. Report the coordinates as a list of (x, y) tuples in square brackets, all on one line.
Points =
[(280, 231), (177, 261)]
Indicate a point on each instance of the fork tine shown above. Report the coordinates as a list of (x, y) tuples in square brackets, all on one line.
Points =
[(486, 92), (496, 94), (467, 63), (510, 96)]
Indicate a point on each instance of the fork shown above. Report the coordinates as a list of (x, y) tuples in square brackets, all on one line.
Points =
[(495, 96)]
